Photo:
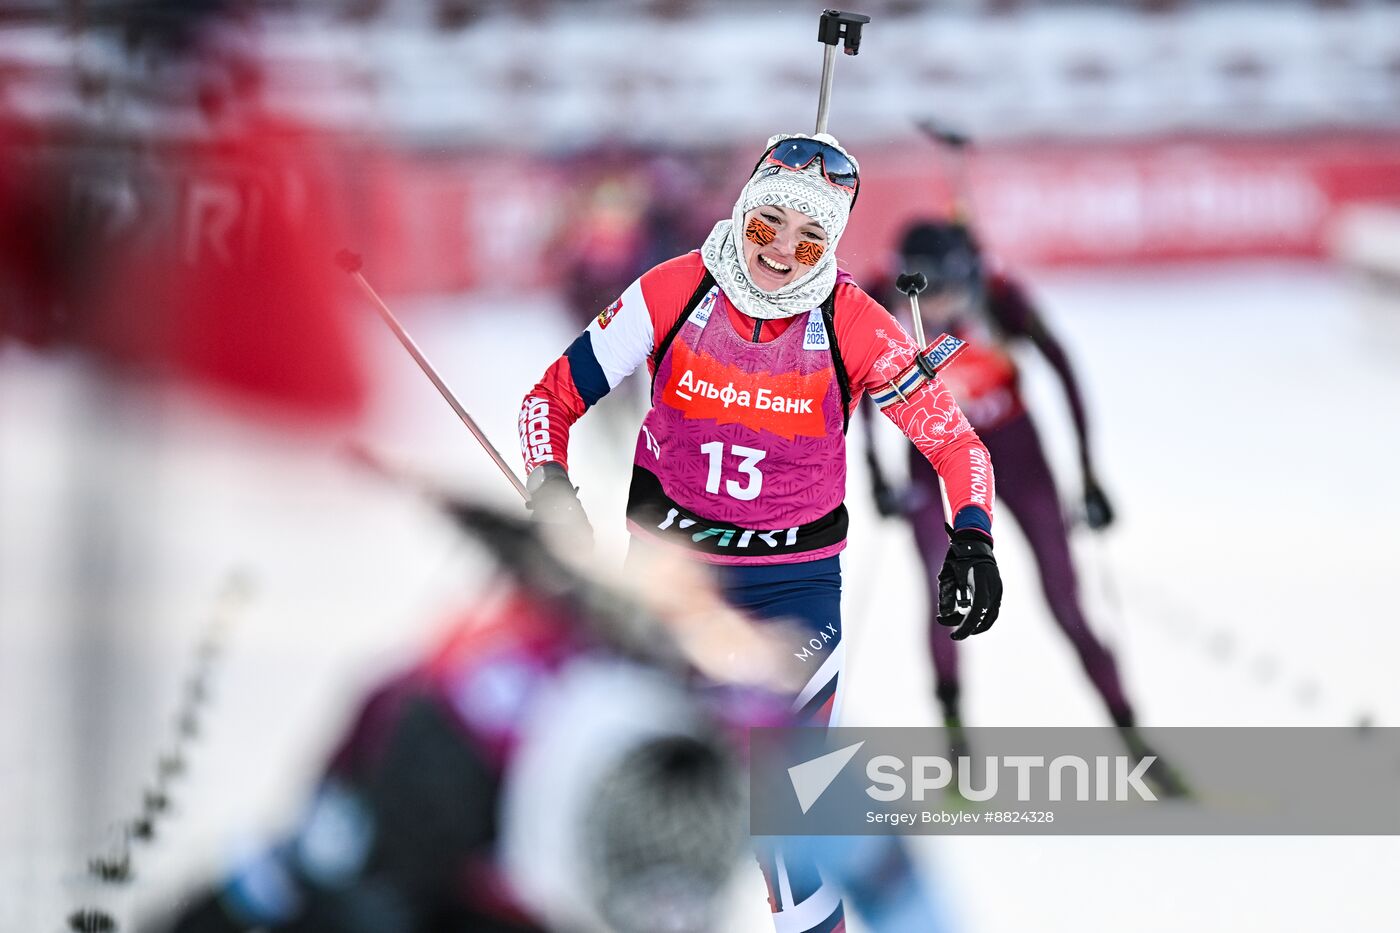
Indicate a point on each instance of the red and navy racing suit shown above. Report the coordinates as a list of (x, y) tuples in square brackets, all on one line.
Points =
[(873, 353)]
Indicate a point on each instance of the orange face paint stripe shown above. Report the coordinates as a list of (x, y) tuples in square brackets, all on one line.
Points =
[(759, 232), (809, 253)]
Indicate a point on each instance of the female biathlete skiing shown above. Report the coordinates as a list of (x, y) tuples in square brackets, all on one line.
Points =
[(990, 310), (759, 349)]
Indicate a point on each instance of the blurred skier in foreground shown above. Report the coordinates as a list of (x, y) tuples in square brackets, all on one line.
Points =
[(568, 758), (544, 767)]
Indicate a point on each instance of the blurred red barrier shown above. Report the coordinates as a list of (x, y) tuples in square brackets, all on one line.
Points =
[(444, 220), (1082, 203), (482, 219)]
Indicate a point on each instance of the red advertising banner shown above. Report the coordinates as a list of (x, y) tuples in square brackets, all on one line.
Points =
[(1144, 202), (442, 227), (443, 220)]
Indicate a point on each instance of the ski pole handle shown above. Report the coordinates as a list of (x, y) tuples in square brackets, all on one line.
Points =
[(835, 28), (351, 263), (911, 283)]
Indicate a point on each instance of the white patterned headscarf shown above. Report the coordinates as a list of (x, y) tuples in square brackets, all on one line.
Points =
[(806, 191)]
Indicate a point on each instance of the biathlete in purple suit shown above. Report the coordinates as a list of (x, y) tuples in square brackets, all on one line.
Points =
[(990, 311)]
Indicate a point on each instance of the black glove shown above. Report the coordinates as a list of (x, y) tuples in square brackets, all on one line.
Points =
[(969, 585), (554, 500), (1098, 514)]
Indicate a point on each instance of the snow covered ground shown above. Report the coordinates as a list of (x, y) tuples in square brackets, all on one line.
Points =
[(1245, 421)]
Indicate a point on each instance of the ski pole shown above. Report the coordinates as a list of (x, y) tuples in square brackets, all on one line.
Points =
[(352, 264), (835, 28)]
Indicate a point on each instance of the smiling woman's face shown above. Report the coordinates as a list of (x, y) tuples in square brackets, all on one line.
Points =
[(780, 245)]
